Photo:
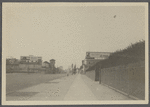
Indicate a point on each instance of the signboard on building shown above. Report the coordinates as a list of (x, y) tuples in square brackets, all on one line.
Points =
[(97, 55)]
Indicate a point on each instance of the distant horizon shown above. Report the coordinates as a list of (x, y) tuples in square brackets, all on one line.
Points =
[(85, 53), (81, 60), (66, 33)]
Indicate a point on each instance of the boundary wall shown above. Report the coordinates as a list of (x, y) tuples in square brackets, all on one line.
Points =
[(129, 79)]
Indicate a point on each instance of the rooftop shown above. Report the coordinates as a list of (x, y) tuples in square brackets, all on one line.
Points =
[(52, 60), (46, 62)]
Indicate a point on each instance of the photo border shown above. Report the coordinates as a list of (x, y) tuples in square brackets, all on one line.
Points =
[(146, 101)]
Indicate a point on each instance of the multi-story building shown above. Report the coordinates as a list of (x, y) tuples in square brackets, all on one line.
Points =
[(31, 59), (25, 64), (94, 57), (30, 63)]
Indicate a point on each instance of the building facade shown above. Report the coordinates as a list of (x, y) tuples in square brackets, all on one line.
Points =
[(92, 58), (25, 64), (12, 64), (31, 59), (50, 67), (45, 64), (30, 63)]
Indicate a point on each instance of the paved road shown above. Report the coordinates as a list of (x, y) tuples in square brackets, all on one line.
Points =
[(69, 88), (79, 91), (18, 81), (49, 90)]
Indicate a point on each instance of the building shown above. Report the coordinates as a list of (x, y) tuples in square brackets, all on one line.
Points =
[(45, 64), (60, 69), (25, 64), (12, 64), (30, 63), (52, 62), (52, 66), (31, 59), (92, 58)]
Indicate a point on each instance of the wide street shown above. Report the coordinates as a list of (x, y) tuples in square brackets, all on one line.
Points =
[(18, 81), (59, 87)]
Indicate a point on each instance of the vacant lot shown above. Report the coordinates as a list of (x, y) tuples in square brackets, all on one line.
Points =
[(17, 81)]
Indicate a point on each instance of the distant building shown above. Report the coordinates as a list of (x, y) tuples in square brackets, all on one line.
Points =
[(25, 64), (31, 59), (45, 64), (12, 64), (52, 66), (30, 63), (92, 58), (50, 69), (52, 63)]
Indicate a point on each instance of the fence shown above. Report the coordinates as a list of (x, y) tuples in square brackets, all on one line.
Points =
[(129, 79), (91, 74)]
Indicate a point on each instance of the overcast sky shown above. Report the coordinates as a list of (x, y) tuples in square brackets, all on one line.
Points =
[(66, 33)]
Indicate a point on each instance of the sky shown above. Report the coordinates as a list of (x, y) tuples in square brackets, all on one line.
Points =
[(66, 33)]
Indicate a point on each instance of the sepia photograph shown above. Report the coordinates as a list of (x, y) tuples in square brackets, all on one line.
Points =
[(75, 53)]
